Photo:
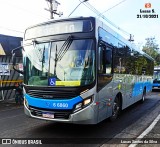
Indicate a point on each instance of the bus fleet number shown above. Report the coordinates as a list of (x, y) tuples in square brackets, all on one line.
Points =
[(60, 105)]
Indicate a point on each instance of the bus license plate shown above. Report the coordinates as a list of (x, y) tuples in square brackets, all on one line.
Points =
[(48, 115)]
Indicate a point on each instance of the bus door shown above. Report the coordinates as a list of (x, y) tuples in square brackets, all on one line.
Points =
[(105, 88)]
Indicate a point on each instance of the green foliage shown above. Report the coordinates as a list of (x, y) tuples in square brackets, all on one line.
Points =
[(151, 48)]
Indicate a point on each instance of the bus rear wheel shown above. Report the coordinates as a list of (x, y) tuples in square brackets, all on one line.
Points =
[(116, 108)]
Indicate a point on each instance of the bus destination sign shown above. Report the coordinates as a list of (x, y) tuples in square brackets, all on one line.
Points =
[(58, 28)]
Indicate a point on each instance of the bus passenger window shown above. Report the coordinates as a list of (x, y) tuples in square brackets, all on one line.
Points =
[(104, 66), (108, 61), (105, 60)]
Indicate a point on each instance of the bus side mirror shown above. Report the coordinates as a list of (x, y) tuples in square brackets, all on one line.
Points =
[(13, 59)]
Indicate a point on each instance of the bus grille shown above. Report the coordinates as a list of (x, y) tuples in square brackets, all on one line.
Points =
[(52, 94), (57, 114)]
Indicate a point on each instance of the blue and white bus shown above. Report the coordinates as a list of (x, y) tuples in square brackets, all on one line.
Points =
[(78, 70), (156, 78)]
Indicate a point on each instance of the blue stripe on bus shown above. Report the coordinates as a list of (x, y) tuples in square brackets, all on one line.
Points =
[(138, 88), (53, 104), (156, 84)]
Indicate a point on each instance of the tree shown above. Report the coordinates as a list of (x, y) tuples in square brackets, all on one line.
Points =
[(151, 48), (151, 43)]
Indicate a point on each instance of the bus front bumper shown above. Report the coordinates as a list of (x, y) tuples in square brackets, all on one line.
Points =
[(84, 116), (156, 86)]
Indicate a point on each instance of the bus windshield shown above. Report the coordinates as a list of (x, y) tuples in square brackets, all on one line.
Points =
[(156, 74), (60, 63)]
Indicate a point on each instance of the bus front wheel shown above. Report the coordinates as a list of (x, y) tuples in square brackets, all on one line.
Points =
[(116, 108)]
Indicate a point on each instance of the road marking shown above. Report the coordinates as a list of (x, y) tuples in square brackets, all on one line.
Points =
[(147, 130)]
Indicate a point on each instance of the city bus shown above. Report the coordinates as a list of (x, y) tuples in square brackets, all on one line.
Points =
[(78, 70), (156, 78)]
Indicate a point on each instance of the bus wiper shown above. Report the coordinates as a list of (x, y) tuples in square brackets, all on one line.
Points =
[(62, 52), (43, 58), (64, 48), (55, 65)]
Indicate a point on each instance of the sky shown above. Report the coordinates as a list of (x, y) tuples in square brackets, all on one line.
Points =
[(17, 15)]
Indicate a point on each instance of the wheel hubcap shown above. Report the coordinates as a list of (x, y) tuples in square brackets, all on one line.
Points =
[(115, 109)]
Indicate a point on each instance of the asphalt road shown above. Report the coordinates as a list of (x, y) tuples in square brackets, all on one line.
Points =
[(14, 124)]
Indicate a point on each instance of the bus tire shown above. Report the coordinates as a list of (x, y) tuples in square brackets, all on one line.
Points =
[(116, 109), (143, 96)]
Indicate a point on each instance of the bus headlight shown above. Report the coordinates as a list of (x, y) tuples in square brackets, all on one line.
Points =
[(78, 106), (87, 101)]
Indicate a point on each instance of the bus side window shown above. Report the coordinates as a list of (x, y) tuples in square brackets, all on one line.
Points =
[(108, 60), (105, 60), (104, 66)]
